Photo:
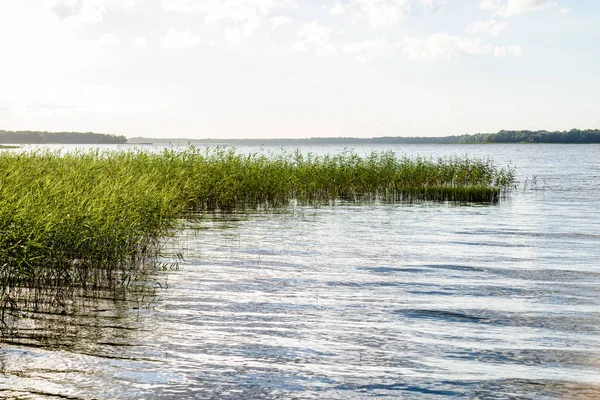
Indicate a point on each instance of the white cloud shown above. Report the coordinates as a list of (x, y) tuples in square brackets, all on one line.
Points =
[(514, 7), (433, 5), (382, 13), (565, 11), (250, 26), (78, 102), (140, 42), (34, 110), (79, 11), (314, 35), (445, 47), (108, 40), (233, 35), (503, 51), (491, 27), (246, 15), (86, 12), (369, 49), (440, 47), (490, 4), (67, 8), (379, 13), (338, 8), (279, 21), (176, 39), (234, 9)]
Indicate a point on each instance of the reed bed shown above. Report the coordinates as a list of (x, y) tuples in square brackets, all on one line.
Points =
[(91, 219)]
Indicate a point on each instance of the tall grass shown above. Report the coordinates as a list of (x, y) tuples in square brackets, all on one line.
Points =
[(88, 219)]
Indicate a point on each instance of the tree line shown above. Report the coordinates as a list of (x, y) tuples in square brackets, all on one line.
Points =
[(504, 136), (38, 137)]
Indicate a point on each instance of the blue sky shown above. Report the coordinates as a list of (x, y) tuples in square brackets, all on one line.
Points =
[(292, 68)]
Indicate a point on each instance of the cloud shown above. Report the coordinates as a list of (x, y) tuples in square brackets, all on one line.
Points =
[(140, 42), (176, 39), (445, 47), (491, 27), (246, 15), (338, 8), (108, 40), (503, 51), (382, 13), (34, 110), (490, 4), (514, 7), (87, 12), (279, 21), (433, 5), (233, 35), (316, 36), (67, 8), (517, 7), (369, 49)]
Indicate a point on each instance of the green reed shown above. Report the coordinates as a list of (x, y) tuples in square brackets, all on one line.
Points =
[(90, 219)]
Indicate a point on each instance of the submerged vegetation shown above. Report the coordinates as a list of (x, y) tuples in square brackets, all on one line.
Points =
[(91, 219)]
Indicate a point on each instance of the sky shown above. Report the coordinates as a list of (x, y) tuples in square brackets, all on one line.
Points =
[(299, 68)]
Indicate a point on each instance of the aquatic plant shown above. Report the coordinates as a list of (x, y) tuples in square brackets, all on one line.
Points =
[(91, 219)]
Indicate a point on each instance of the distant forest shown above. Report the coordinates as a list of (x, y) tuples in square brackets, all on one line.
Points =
[(572, 136), (504, 136), (35, 137)]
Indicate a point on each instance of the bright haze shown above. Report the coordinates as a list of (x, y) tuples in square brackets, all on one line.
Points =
[(299, 68)]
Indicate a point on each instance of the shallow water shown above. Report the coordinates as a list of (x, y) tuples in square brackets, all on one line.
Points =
[(352, 301)]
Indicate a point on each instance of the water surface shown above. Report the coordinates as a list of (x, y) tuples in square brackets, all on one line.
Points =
[(348, 300)]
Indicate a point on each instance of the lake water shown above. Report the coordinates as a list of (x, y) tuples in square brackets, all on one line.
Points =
[(352, 301)]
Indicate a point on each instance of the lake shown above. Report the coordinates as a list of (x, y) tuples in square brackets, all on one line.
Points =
[(351, 301)]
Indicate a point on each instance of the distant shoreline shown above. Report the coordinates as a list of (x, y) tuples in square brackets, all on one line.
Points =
[(573, 136), (566, 137), (44, 137)]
